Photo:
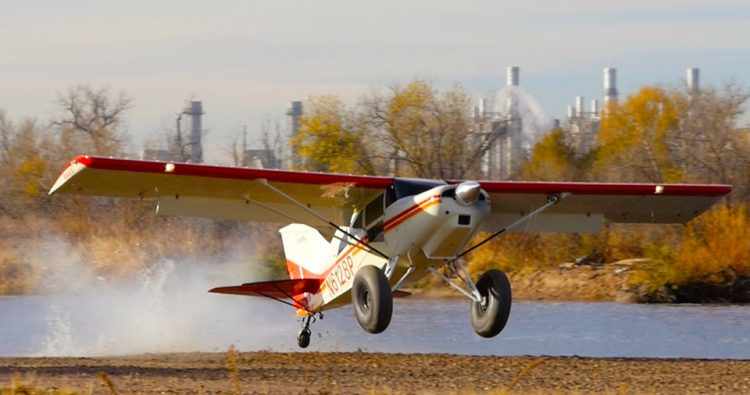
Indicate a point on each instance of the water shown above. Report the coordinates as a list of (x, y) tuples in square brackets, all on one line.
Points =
[(102, 324)]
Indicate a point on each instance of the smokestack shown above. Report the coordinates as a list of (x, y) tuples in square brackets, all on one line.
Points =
[(513, 75), (610, 85), (195, 110), (482, 107), (579, 106), (295, 112), (594, 108), (693, 79)]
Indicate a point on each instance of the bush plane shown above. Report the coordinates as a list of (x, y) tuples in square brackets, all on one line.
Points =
[(359, 240)]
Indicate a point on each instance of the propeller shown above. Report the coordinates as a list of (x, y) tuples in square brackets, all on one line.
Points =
[(467, 192)]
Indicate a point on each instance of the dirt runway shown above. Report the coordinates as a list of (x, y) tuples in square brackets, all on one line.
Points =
[(266, 372)]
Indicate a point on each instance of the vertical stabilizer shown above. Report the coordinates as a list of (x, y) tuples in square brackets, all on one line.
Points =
[(308, 254)]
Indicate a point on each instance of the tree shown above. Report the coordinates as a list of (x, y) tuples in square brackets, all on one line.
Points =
[(432, 132), (93, 118), (25, 157), (552, 160), (634, 139), (708, 142), (329, 139)]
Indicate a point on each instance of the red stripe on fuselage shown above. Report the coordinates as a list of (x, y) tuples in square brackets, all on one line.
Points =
[(410, 212)]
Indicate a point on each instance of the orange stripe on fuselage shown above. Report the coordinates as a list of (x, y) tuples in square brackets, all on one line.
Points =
[(412, 211), (390, 224)]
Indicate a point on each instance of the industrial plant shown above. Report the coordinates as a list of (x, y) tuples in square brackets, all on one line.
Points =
[(511, 118), (516, 122)]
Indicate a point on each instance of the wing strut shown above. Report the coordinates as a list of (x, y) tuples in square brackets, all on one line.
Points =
[(551, 201), (289, 217), (320, 217), (457, 267)]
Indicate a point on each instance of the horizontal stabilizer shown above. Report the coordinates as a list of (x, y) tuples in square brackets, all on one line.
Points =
[(280, 289)]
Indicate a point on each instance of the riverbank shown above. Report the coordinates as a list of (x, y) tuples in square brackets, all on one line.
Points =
[(265, 372), (568, 282)]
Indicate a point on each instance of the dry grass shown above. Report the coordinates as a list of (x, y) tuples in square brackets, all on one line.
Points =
[(712, 249), (233, 370)]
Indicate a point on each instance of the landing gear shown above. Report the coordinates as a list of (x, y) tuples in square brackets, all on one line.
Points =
[(372, 299), (489, 316), (490, 297), (303, 339)]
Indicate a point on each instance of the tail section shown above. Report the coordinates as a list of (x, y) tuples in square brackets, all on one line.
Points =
[(308, 254)]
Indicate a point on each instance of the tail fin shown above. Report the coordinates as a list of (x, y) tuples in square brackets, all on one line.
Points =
[(308, 254)]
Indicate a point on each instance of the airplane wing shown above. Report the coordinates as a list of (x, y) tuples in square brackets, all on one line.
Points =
[(196, 190), (586, 206), (183, 189)]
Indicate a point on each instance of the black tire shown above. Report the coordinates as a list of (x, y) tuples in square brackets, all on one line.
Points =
[(372, 299), (489, 319), (303, 339)]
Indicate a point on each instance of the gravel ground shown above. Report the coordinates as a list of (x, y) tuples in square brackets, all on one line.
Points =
[(266, 372)]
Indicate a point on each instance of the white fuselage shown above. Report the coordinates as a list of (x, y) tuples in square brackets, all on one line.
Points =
[(418, 229)]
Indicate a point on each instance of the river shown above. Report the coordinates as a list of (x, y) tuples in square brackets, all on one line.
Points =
[(128, 322)]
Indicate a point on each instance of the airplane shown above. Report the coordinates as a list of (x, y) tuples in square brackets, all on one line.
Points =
[(352, 239)]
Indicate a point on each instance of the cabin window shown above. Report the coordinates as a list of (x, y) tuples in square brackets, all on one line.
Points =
[(357, 223), (409, 187), (390, 195), (375, 233), (374, 211)]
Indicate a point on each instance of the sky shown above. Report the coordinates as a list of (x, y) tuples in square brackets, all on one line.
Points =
[(246, 60)]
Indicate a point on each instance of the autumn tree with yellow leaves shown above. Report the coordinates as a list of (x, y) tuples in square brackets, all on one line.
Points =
[(412, 130), (634, 139), (330, 139), (552, 159)]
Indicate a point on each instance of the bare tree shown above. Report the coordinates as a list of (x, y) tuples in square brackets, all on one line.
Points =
[(708, 141), (6, 136), (432, 132), (95, 114)]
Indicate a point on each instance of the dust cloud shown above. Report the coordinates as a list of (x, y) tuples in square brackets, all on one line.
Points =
[(164, 308)]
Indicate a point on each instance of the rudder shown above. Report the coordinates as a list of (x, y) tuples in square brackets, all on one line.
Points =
[(308, 254)]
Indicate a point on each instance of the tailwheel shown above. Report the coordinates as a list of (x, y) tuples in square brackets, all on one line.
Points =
[(303, 339), (489, 316), (372, 299)]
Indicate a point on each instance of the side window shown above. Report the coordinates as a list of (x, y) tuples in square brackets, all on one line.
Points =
[(375, 233), (357, 221), (390, 195), (374, 211)]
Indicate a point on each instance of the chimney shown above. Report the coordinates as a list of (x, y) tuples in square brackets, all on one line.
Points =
[(513, 75), (482, 107), (594, 108), (579, 106), (610, 86), (295, 113), (693, 80), (195, 110)]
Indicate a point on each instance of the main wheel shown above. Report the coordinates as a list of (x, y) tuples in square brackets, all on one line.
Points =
[(303, 339), (372, 299), (489, 317)]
